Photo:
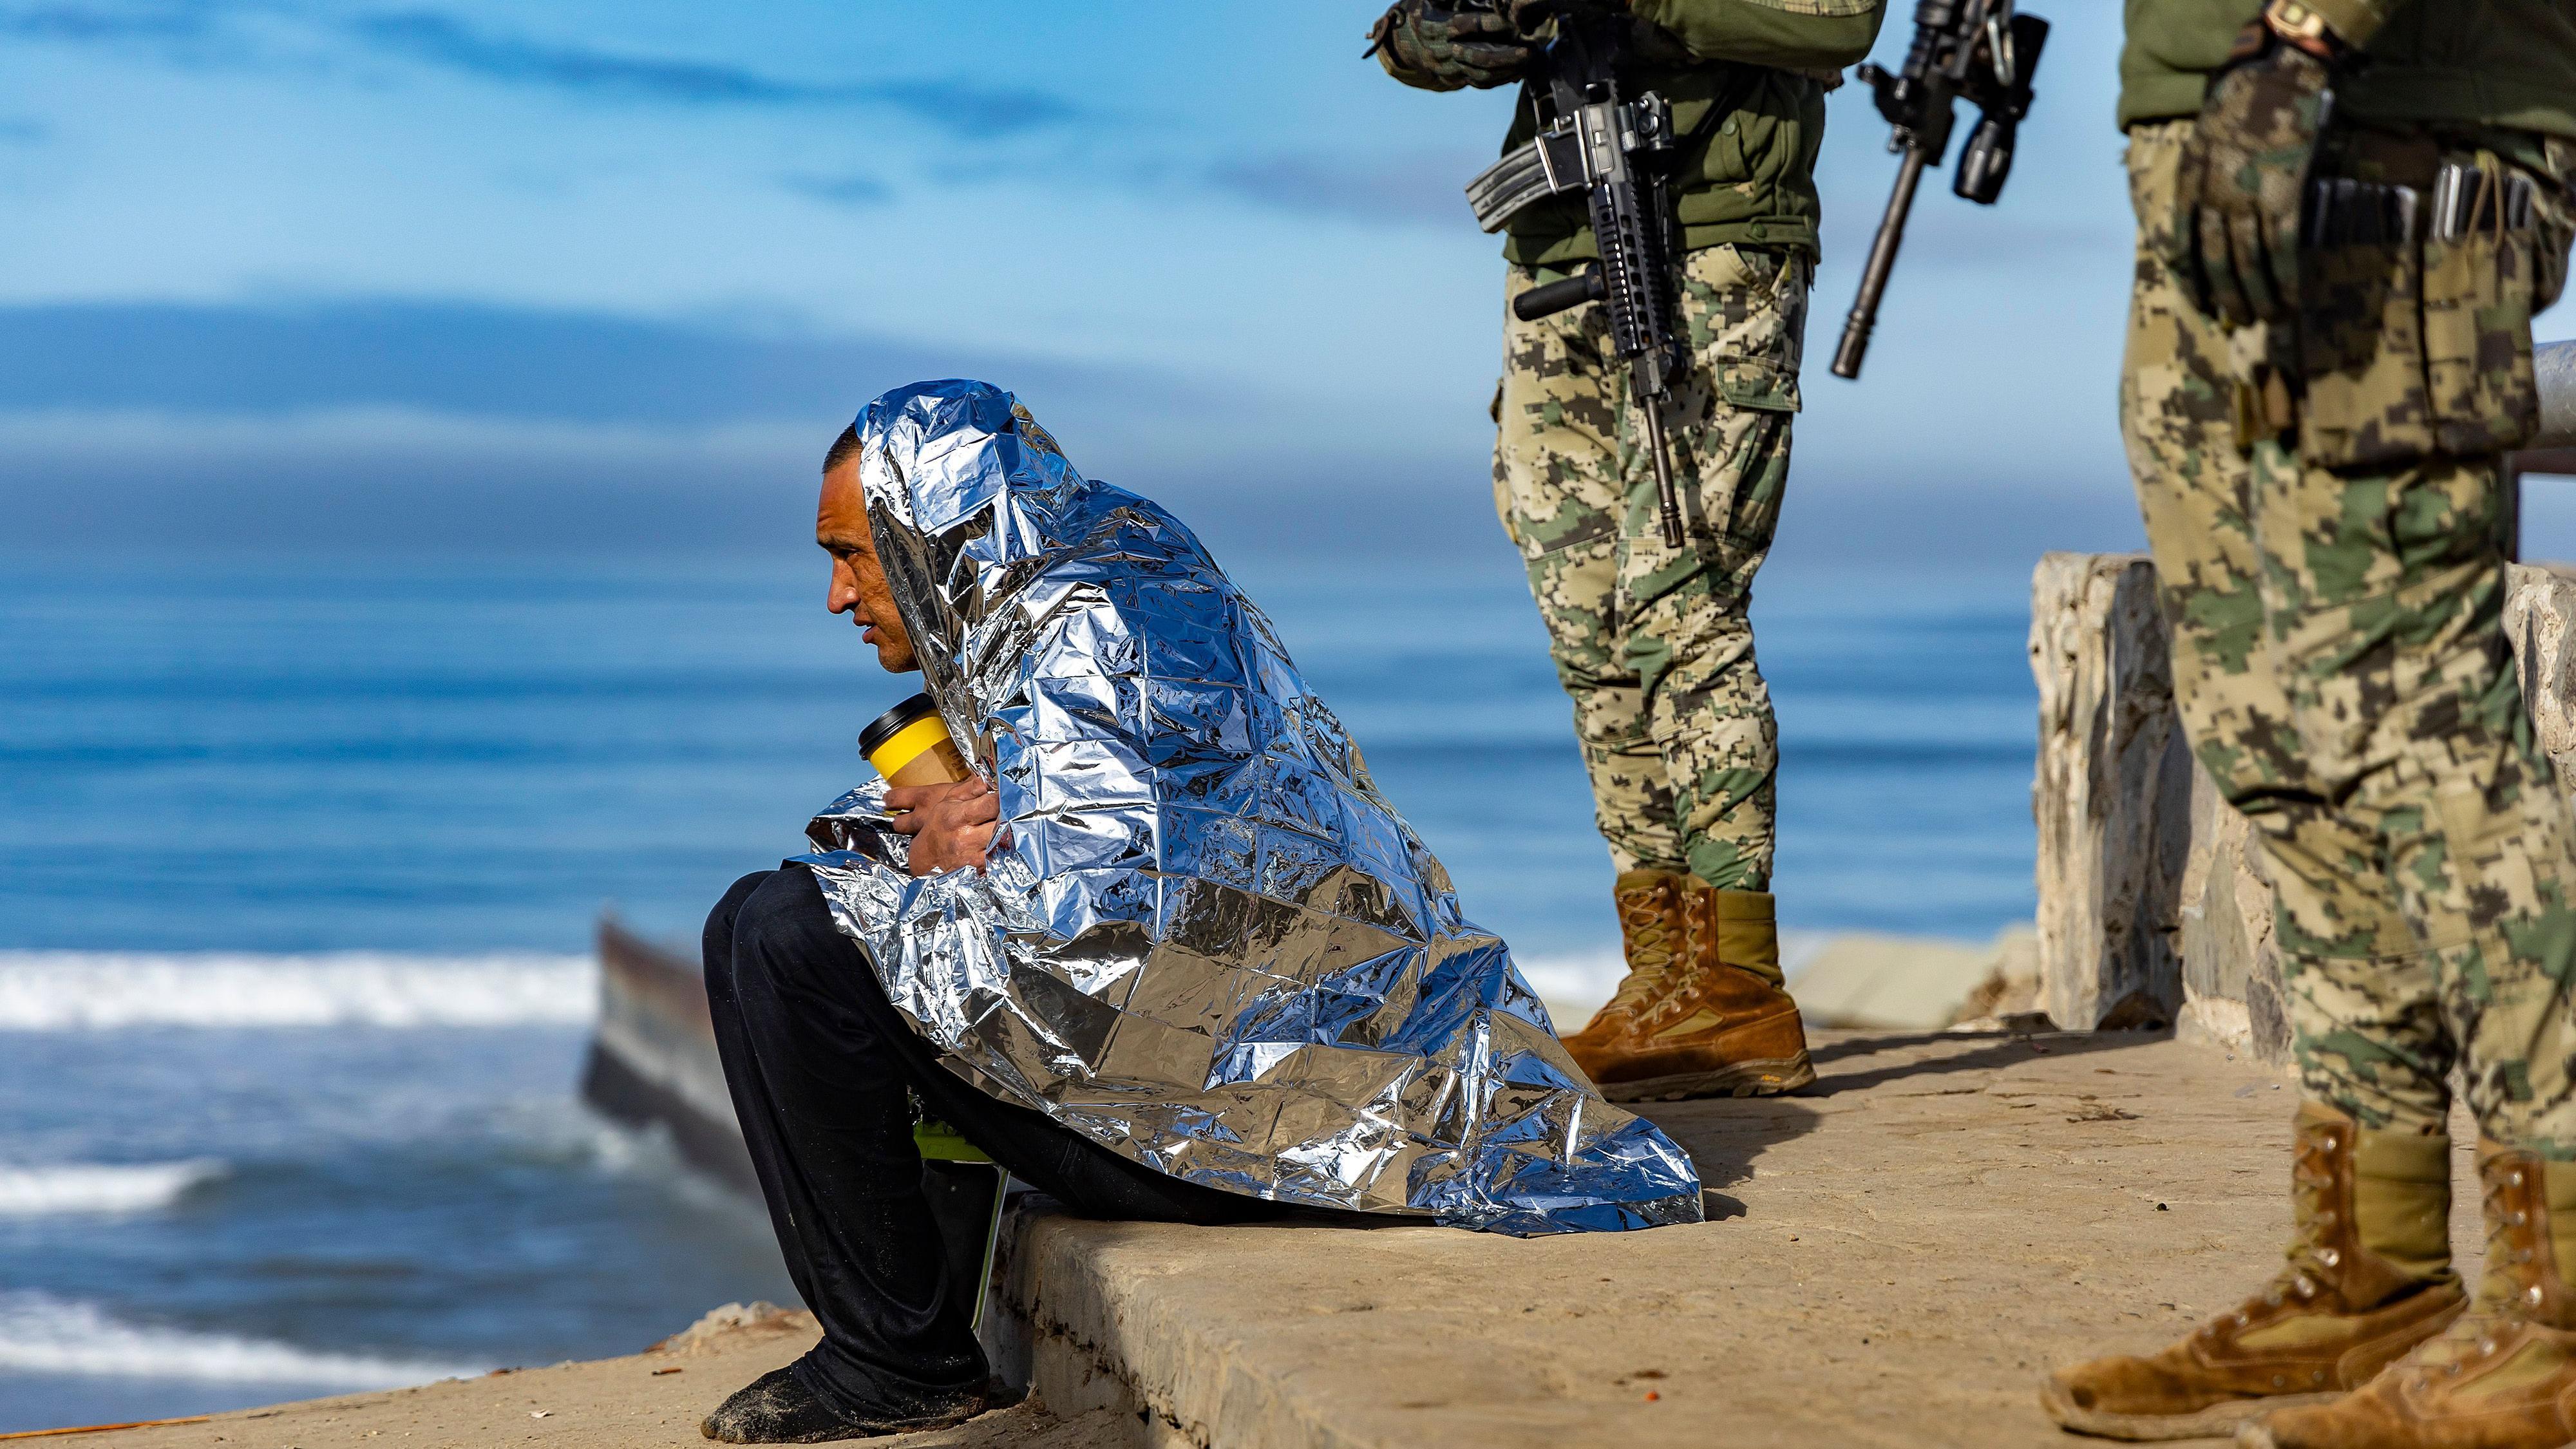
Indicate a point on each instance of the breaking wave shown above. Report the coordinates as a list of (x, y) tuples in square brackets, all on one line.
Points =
[(32, 1191), (104, 991), (40, 1333)]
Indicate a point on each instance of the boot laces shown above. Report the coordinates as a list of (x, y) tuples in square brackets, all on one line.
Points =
[(2474, 1335), (2313, 1257), (2314, 1262), (1651, 949), (2510, 1286)]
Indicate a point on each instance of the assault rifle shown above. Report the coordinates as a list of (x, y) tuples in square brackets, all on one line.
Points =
[(1979, 51), (1614, 149)]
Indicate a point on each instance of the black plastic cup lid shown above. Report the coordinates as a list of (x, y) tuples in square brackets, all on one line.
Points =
[(891, 723)]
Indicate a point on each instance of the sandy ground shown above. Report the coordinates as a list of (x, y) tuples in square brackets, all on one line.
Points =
[(1893, 1259)]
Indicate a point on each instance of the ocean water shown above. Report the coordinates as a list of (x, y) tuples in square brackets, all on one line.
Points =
[(299, 865)]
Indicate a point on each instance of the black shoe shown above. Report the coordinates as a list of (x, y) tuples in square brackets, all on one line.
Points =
[(777, 1408)]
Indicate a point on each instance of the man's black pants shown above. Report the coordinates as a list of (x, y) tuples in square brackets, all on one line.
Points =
[(818, 1061)]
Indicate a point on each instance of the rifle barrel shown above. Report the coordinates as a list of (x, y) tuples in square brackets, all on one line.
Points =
[(1667, 503), (1882, 260)]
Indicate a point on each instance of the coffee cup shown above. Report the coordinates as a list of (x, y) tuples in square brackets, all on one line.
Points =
[(909, 745)]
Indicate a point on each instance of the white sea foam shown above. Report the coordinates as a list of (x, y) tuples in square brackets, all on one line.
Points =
[(102, 991), (40, 1333), (28, 1190), (1570, 982)]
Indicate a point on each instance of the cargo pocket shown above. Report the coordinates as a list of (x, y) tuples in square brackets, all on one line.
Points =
[(2361, 353), (1732, 492), (1746, 309), (1759, 384), (2478, 297), (2481, 291), (2424, 347)]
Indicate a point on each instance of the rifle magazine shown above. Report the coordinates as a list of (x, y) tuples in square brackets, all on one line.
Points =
[(1528, 172)]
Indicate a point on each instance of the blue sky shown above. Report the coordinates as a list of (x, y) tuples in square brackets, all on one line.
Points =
[(541, 275)]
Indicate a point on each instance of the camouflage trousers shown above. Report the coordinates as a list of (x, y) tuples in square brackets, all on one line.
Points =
[(1653, 642), (2342, 669)]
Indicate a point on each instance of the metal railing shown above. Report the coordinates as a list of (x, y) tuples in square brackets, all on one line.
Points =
[(2553, 449), (2555, 364)]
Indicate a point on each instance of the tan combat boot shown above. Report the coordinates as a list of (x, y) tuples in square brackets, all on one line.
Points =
[(1721, 1026), (2504, 1375), (1650, 937), (2369, 1277)]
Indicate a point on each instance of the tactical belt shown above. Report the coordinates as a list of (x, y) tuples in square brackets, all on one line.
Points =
[(2466, 200)]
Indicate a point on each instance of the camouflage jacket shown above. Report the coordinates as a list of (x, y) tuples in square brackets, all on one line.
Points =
[(2509, 63), (1749, 178)]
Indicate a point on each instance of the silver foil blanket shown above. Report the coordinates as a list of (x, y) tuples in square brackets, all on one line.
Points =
[(1203, 940)]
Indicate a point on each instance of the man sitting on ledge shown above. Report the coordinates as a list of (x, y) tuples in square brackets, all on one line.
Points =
[(1168, 955)]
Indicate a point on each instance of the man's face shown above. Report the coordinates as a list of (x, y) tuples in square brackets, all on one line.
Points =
[(858, 581)]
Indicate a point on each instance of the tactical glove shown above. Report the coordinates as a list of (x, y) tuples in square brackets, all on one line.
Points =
[(2243, 173), (1442, 46)]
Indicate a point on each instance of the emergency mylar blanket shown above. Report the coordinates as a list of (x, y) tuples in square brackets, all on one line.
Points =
[(1203, 939)]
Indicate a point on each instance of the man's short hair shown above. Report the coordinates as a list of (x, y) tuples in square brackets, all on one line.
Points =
[(842, 447)]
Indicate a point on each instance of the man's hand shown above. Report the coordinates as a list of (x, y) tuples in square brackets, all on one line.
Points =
[(1441, 46), (950, 825), (2243, 175)]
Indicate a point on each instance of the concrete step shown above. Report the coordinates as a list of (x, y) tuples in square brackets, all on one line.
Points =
[(1894, 1258)]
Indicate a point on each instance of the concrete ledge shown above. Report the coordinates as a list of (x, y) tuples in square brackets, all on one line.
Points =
[(1893, 1259)]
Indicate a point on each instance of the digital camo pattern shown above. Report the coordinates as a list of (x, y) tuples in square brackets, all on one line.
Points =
[(2425, 347), (1653, 643), (2240, 173), (1203, 940), (2342, 669)]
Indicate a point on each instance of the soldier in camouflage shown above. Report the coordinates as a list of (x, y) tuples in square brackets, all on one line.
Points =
[(2316, 399), (1653, 642)]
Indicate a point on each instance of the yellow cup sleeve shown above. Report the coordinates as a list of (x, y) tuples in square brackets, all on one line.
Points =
[(909, 744)]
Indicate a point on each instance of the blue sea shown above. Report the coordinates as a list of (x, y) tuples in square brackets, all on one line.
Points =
[(300, 863)]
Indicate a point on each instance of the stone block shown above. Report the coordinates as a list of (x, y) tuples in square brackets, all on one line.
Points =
[(2112, 798), (2133, 887), (2539, 607), (2233, 994)]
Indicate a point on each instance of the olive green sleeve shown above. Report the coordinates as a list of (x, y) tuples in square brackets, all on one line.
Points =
[(2355, 21), (1787, 34)]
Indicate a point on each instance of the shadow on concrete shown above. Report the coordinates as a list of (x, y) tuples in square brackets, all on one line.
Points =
[(1724, 1137), (1992, 1050)]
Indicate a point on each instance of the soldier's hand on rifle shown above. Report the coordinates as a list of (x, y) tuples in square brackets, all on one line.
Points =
[(1442, 45), (2245, 167)]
